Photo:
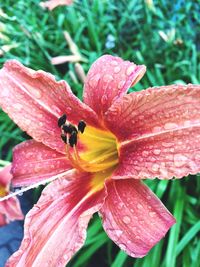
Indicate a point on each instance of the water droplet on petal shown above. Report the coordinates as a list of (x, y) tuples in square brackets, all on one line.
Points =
[(32, 90), (152, 213), (197, 156), (155, 167), (17, 106), (117, 69), (170, 125), (104, 100), (187, 123), (145, 153), (93, 81), (130, 70), (157, 129), (118, 233), (56, 109), (66, 257), (126, 219), (121, 84), (37, 93), (107, 78), (156, 151), (5, 92), (120, 205), (114, 63), (133, 255), (122, 246), (68, 110), (166, 144), (180, 160), (139, 206)]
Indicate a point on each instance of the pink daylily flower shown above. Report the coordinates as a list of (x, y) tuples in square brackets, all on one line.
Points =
[(9, 209), (120, 140), (51, 4)]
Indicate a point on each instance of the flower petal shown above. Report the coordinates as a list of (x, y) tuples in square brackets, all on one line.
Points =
[(2, 220), (10, 210), (34, 162), (108, 79), (51, 4), (133, 217), (35, 101), (5, 176), (56, 227), (158, 130)]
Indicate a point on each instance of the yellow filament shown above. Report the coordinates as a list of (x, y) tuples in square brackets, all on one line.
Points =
[(93, 165)]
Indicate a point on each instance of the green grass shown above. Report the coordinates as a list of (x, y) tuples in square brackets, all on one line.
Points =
[(135, 27)]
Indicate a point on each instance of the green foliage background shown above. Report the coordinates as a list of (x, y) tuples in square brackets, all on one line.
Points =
[(136, 30)]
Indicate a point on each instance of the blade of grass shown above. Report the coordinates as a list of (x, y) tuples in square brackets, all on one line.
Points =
[(175, 231), (120, 259), (188, 237)]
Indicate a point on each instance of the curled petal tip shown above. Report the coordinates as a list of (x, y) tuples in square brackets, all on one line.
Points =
[(139, 73)]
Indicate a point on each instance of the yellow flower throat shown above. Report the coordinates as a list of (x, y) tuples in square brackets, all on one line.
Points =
[(89, 149), (3, 191)]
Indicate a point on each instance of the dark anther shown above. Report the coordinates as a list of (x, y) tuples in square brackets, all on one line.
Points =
[(69, 128), (62, 120), (73, 139), (64, 138), (81, 126)]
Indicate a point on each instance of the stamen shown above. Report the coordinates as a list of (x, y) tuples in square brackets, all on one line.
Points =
[(81, 126), (106, 155), (62, 120), (64, 138), (69, 128), (73, 139)]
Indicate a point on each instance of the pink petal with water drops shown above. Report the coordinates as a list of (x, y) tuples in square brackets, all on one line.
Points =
[(51, 4), (55, 229), (133, 217), (34, 162), (108, 79), (35, 101), (159, 131)]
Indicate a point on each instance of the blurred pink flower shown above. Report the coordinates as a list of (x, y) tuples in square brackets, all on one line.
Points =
[(127, 138), (9, 209), (51, 4)]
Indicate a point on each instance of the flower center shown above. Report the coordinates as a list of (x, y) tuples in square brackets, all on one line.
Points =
[(89, 149), (3, 191)]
